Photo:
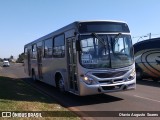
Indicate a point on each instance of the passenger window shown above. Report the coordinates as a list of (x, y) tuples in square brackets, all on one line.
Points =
[(25, 50), (48, 48), (34, 51), (58, 46)]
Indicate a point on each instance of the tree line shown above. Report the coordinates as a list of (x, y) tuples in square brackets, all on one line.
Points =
[(20, 58)]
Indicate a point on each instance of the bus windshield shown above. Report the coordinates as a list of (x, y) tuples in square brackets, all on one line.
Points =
[(114, 52)]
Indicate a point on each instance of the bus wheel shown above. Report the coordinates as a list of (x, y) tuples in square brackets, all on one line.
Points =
[(33, 75), (61, 85)]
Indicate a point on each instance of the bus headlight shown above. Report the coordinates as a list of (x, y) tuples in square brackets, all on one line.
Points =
[(88, 80), (132, 75)]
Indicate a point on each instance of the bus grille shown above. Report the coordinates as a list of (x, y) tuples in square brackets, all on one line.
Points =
[(111, 81), (109, 74), (111, 87)]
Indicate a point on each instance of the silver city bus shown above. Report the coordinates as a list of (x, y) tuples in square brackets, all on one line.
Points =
[(84, 58)]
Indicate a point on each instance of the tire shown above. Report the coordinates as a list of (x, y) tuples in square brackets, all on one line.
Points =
[(61, 85)]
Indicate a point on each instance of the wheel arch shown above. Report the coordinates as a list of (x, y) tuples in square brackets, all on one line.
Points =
[(58, 74), (57, 77)]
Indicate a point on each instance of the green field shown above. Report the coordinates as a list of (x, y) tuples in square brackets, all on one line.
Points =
[(16, 95)]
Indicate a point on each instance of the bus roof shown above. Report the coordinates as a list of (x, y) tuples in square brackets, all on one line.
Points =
[(147, 44), (68, 27), (100, 21)]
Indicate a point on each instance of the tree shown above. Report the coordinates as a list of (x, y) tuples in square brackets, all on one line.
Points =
[(20, 58), (11, 57), (1, 60)]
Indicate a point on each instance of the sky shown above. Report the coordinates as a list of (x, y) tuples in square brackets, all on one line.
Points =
[(22, 21)]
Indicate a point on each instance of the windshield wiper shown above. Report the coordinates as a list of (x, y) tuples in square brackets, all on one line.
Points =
[(118, 35), (99, 38)]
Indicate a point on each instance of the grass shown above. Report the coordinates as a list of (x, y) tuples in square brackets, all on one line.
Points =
[(16, 95)]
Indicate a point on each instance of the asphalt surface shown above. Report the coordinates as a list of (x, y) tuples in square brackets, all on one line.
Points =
[(146, 97)]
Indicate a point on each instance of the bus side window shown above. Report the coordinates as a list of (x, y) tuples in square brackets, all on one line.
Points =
[(48, 48), (25, 52), (58, 46), (34, 51)]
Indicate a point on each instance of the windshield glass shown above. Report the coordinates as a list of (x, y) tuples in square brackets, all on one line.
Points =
[(106, 51)]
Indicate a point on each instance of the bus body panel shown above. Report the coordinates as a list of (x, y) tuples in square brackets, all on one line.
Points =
[(51, 66)]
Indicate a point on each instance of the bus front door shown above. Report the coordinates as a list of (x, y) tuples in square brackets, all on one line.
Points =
[(72, 69)]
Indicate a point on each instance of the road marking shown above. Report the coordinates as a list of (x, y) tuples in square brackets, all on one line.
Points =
[(147, 98)]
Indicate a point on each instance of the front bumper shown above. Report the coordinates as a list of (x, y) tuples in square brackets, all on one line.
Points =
[(106, 88)]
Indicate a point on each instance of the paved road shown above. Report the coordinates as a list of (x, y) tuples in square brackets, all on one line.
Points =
[(145, 98)]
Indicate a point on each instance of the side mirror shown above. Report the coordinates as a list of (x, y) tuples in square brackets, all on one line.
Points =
[(78, 45)]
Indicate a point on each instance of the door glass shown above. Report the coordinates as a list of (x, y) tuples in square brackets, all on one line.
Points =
[(72, 65)]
